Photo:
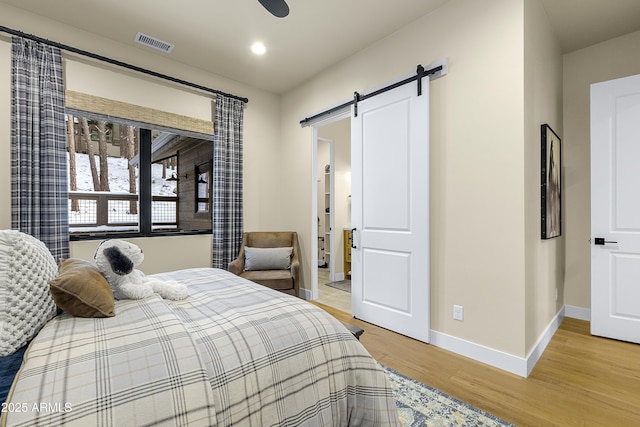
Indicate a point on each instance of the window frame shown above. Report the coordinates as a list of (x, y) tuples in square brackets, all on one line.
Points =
[(199, 169), (145, 196)]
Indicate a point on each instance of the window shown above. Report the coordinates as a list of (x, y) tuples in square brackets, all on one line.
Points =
[(127, 180), (203, 192)]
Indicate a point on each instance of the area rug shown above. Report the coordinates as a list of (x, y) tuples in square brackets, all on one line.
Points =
[(343, 285), (421, 405)]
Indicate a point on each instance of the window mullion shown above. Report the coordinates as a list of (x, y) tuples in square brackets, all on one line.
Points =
[(145, 181)]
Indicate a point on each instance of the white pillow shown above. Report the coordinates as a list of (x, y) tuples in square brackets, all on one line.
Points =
[(26, 267), (267, 258)]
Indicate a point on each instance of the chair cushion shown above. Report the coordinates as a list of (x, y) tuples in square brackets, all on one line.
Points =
[(267, 258), (274, 279)]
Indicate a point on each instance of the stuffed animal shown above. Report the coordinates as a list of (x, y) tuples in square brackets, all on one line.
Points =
[(116, 260)]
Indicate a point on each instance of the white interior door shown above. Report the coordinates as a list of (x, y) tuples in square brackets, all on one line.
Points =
[(615, 209), (390, 211)]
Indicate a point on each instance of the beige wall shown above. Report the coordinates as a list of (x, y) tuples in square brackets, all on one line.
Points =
[(485, 117), (477, 159), (545, 259), (605, 61), (160, 253), (261, 128), (107, 81)]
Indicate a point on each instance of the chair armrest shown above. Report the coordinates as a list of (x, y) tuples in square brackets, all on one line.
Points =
[(295, 268), (295, 265), (295, 274), (236, 266)]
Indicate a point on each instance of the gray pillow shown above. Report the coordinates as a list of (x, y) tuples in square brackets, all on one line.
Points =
[(267, 258)]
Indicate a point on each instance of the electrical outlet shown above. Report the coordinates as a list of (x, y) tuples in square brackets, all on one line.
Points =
[(458, 312), (556, 294)]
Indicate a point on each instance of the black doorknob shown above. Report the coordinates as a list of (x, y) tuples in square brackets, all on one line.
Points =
[(602, 241)]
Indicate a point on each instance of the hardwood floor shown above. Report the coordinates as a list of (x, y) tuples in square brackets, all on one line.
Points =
[(580, 380)]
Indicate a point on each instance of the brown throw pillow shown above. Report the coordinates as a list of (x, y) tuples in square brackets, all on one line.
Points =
[(81, 290)]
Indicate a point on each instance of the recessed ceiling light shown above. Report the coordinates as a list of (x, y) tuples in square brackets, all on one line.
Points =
[(258, 48)]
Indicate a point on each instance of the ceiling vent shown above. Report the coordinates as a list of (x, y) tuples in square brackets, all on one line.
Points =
[(153, 43)]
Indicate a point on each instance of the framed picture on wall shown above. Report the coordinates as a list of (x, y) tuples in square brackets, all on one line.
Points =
[(551, 183)]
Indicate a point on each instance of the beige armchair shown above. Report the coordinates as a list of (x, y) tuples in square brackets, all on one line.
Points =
[(273, 267)]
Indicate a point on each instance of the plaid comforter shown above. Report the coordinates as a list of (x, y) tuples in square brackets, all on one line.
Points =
[(233, 353)]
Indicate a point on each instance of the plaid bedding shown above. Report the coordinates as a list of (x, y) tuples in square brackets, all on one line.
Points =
[(233, 353)]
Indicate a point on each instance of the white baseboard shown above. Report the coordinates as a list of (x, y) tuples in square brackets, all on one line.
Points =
[(577, 312), (306, 294), (338, 277), (544, 340), (521, 366), (496, 358)]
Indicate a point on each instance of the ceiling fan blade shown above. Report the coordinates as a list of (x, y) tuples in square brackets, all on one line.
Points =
[(278, 8)]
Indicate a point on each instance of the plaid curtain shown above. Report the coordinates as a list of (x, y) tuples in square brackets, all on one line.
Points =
[(227, 185), (39, 190)]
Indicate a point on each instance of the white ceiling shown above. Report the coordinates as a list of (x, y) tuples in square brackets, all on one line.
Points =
[(215, 35)]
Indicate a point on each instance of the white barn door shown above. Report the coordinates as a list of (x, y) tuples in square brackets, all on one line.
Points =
[(390, 210), (615, 209)]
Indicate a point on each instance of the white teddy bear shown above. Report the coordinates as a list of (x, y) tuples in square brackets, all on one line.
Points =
[(116, 260)]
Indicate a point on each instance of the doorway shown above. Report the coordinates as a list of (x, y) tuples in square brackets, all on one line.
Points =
[(332, 157), (389, 204)]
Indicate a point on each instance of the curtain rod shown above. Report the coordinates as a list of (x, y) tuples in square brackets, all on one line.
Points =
[(357, 97), (119, 63)]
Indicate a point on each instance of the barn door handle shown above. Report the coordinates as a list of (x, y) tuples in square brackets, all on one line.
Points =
[(602, 241), (353, 238)]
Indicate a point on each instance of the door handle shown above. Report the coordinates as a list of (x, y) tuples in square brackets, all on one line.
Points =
[(353, 238), (602, 241)]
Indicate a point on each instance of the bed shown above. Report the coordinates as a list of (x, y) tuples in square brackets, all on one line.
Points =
[(232, 353)]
